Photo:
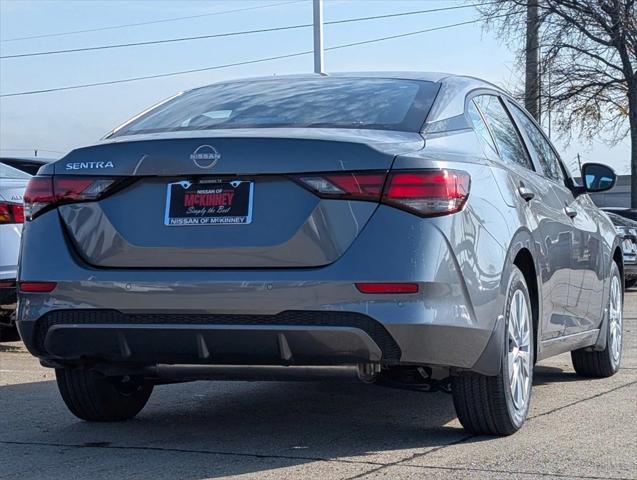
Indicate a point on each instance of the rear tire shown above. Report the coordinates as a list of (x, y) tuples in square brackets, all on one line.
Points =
[(95, 398), (602, 364), (498, 405), (630, 283)]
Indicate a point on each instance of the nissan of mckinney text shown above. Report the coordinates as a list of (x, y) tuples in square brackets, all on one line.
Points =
[(416, 229)]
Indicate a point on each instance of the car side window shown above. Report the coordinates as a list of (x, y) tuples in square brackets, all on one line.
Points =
[(479, 126), (507, 138), (546, 155)]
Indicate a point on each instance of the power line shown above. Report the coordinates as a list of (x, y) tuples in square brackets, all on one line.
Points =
[(247, 62), (126, 25), (232, 34), (408, 34), (156, 42), (160, 75), (29, 150)]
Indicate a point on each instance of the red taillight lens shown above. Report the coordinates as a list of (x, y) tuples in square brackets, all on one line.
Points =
[(11, 213), (37, 287), (387, 287), (39, 195), (350, 185), (45, 192), (428, 192)]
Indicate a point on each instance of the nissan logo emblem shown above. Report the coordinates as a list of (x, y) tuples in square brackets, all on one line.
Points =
[(205, 156)]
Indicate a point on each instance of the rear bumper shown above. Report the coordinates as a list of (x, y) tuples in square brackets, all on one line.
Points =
[(452, 321), (289, 338)]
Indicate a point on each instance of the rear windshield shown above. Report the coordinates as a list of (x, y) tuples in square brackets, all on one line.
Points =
[(9, 172), (322, 102)]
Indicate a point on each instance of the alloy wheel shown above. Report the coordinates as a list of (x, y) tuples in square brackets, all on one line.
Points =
[(519, 351), (615, 319)]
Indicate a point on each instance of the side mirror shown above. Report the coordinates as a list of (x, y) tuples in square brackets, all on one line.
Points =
[(597, 177)]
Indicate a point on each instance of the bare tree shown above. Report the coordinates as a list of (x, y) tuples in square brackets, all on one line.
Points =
[(590, 49)]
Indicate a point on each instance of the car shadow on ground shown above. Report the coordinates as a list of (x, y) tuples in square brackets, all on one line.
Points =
[(258, 426), (544, 375)]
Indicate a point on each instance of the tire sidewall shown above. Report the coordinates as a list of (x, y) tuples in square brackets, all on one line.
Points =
[(516, 282)]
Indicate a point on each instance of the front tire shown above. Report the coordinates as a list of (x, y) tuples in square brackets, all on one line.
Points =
[(95, 398), (498, 405), (601, 364)]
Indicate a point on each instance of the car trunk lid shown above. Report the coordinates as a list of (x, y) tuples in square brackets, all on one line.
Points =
[(288, 226)]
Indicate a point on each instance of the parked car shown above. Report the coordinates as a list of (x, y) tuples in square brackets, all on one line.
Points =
[(29, 165), (628, 213), (12, 185), (627, 229), (418, 226)]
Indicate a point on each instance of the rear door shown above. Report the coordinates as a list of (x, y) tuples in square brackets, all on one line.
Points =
[(550, 227), (586, 275)]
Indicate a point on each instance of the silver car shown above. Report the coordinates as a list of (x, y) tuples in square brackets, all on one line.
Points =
[(419, 228), (12, 185)]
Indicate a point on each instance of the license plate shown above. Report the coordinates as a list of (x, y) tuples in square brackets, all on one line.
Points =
[(214, 203)]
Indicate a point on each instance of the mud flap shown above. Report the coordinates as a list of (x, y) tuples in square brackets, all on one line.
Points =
[(490, 360)]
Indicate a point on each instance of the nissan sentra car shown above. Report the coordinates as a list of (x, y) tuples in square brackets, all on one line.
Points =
[(420, 228)]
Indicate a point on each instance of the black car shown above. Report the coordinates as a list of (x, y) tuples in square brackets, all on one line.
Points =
[(629, 213), (29, 165), (627, 228)]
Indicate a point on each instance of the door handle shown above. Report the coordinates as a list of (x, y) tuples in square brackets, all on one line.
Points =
[(526, 193), (570, 212)]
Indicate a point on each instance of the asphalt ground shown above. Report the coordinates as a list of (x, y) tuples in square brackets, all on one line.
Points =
[(577, 428)]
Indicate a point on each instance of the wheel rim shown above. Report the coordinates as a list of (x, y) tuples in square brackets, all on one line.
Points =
[(519, 354), (615, 315)]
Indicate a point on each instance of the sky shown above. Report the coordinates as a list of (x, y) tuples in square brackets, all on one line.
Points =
[(58, 122)]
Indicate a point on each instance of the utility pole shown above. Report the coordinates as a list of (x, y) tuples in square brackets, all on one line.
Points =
[(318, 36), (532, 85)]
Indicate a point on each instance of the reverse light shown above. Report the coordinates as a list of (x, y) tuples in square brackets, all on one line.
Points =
[(428, 193), (44, 193), (378, 288), (346, 185), (37, 287), (11, 213)]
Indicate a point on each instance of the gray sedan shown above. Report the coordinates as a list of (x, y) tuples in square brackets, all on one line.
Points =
[(419, 228)]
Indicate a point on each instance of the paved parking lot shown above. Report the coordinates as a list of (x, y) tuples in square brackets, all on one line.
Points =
[(577, 429)]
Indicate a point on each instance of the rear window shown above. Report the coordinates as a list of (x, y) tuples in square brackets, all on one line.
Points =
[(9, 172), (322, 102)]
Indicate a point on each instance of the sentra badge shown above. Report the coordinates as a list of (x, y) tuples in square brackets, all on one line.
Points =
[(88, 165), (205, 156)]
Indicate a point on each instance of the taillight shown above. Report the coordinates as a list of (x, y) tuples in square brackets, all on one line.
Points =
[(11, 213), (38, 196), (350, 185), (427, 193), (44, 193)]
